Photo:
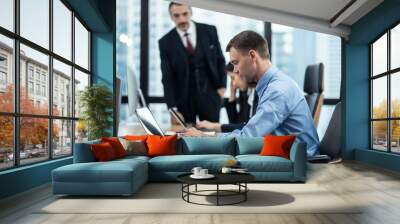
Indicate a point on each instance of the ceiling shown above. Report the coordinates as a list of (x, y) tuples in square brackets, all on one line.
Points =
[(326, 16)]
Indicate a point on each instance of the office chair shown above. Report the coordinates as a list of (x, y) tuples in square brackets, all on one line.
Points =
[(314, 88), (331, 142), (330, 146)]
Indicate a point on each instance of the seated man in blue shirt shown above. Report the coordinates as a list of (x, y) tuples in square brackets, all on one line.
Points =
[(282, 108)]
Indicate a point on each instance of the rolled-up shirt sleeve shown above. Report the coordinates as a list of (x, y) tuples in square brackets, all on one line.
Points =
[(271, 112)]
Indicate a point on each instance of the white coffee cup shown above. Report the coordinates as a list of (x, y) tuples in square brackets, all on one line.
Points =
[(203, 172), (196, 170), (226, 170)]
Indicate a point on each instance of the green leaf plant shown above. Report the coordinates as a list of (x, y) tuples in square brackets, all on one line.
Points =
[(96, 103)]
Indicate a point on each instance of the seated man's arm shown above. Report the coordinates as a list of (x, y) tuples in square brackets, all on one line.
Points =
[(271, 112), (231, 127)]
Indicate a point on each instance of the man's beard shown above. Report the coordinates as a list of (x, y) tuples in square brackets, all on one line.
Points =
[(183, 26)]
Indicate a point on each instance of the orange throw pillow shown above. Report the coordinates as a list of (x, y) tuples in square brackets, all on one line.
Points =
[(136, 137), (277, 145), (116, 145), (161, 145), (103, 152)]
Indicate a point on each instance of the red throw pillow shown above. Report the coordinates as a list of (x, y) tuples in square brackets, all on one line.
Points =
[(116, 145), (277, 146), (161, 145), (136, 137), (103, 152)]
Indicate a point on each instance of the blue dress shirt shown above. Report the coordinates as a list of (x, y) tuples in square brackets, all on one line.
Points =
[(282, 110)]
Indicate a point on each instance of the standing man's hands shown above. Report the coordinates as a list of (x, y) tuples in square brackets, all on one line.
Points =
[(209, 125), (221, 92)]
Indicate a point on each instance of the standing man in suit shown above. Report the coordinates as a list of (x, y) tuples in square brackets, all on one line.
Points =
[(247, 102), (193, 67)]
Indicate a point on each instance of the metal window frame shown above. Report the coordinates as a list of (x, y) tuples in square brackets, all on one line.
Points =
[(16, 115), (388, 74)]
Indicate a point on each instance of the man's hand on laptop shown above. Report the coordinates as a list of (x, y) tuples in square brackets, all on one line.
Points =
[(209, 125), (193, 132)]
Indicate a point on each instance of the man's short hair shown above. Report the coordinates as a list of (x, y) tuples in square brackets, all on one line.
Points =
[(249, 40), (176, 3)]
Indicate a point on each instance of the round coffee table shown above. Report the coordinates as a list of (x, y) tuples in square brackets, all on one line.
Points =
[(238, 179)]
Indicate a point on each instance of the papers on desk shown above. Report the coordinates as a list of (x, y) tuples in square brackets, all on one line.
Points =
[(180, 134), (210, 133)]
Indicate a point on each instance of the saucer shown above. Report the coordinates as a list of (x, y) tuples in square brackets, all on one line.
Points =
[(208, 176)]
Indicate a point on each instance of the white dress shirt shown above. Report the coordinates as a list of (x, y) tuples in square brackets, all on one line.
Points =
[(192, 34), (250, 100)]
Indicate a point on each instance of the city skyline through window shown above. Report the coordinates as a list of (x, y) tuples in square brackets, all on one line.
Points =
[(287, 46)]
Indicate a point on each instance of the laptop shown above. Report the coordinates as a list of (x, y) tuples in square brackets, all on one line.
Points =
[(185, 126), (178, 118), (148, 121)]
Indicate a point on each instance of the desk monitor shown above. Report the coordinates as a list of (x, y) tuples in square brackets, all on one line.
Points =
[(148, 121)]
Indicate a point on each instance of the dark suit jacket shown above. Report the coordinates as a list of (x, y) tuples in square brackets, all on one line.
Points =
[(243, 115), (175, 64)]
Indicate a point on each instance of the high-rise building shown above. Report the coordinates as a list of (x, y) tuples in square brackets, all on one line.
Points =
[(294, 49)]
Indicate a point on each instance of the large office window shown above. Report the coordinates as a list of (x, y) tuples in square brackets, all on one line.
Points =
[(160, 23), (34, 24), (40, 80), (128, 48), (294, 49), (62, 44), (81, 45), (385, 94), (7, 14), (150, 20)]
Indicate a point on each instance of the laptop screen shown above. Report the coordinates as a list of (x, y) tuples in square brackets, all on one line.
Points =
[(148, 121)]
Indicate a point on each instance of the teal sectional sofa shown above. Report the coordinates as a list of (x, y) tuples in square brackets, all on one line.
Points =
[(125, 176)]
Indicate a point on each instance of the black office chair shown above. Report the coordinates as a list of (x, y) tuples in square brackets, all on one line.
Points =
[(314, 88), (331, 142), (330, 146)]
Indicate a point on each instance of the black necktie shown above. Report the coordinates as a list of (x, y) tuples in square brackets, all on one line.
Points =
[(189, 46), (255, 103)]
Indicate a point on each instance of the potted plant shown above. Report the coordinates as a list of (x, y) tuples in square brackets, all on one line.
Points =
[(96, 104)]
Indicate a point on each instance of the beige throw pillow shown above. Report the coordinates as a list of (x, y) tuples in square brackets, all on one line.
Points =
[(137, 148)]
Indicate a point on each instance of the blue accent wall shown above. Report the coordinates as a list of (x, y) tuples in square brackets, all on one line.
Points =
[(24, 178), (356, 81), (103, 61), (100, 17)]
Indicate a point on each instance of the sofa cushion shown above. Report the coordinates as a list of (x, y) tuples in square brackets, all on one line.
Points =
[(111, 171), (185, 163), (136, 137), (161, 145), (249, 145), (134, 147), (257, 163), (116, 145), (206, 145), (277, 145), (103, 152), (131, 158), (83, 152)]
